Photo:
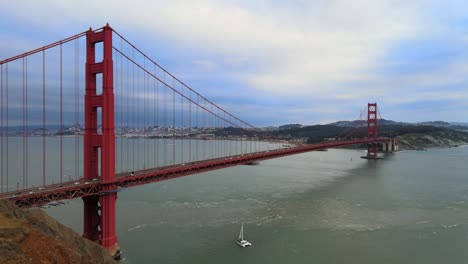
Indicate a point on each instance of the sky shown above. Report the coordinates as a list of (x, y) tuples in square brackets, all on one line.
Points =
[(277, 62)]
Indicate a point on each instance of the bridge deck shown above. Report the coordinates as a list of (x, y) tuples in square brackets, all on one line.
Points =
[(40, 196)]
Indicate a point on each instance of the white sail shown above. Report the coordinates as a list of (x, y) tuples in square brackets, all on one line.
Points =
[(241, 241), (241, 234)]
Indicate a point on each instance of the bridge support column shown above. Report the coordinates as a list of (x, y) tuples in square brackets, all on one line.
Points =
[(99, 210), (372, 151), (92, 219), (372, 133), (395, 146), (108, 238), (390, 146), (386, 147)]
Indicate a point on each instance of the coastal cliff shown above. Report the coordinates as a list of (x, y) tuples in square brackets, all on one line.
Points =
[(31, 236), (423, 141)]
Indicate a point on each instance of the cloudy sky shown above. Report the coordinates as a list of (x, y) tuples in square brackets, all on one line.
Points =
[(275, 62)]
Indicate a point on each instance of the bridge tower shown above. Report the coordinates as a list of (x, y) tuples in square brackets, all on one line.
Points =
[(99, 147), (372, 133)]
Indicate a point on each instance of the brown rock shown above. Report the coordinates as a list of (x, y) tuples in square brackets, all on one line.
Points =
[(31, 236)]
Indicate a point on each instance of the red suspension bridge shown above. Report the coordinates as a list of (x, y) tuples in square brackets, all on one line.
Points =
[(141, 125)]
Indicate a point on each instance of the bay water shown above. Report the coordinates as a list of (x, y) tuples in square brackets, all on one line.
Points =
[(317, 207)]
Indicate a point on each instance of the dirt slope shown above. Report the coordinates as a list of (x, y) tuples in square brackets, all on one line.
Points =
[(31, 236)]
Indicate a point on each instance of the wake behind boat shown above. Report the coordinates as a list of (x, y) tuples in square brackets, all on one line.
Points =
[(241, 241)]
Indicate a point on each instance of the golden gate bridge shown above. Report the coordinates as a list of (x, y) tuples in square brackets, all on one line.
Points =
[(141, 125)]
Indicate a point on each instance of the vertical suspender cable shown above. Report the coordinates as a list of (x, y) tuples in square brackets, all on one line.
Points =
[(250, 139), (224, 128), (190, 126), (242, 141), (182, 122), (77, 114), (148, 123), (118, 112), (210, 126), (144, 114), (148, 115), (165, 121), (7, 128), (121, 109), (61, 117), (144, 118), (153, 129), (147, 119), (127, 125), (204, 131), (43, 120), (225, 134), (215, 134), (156, 120), (133, 113), (173, 123), (205, 125), (75, 126), (78, 66), (245, 150), (221, 139), (24, 125), (1, 123), (116, 103), (228, 140), (237, 141), (215, 126), (256, 141), (212, 150), (197, 157), (138, 118), (27, 127)]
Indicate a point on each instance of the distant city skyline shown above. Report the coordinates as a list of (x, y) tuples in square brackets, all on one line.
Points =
[(276, 63)]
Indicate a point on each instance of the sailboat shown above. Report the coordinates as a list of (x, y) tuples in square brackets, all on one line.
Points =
[(241, 241)]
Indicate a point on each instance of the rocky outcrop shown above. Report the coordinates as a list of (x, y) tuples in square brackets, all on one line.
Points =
[(31, 236)]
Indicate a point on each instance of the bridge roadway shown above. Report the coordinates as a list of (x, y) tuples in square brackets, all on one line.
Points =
[(49, 194)]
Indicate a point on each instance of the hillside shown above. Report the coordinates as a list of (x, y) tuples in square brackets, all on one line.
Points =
[(31, 236), (359, 123)]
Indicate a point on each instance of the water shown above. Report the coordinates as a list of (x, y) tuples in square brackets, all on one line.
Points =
[(318, 207)]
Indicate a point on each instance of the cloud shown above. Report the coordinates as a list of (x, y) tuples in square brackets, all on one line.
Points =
[(343, 52), (205, 65)]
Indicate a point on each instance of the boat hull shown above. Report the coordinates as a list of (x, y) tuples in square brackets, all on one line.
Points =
[(243, 243)]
